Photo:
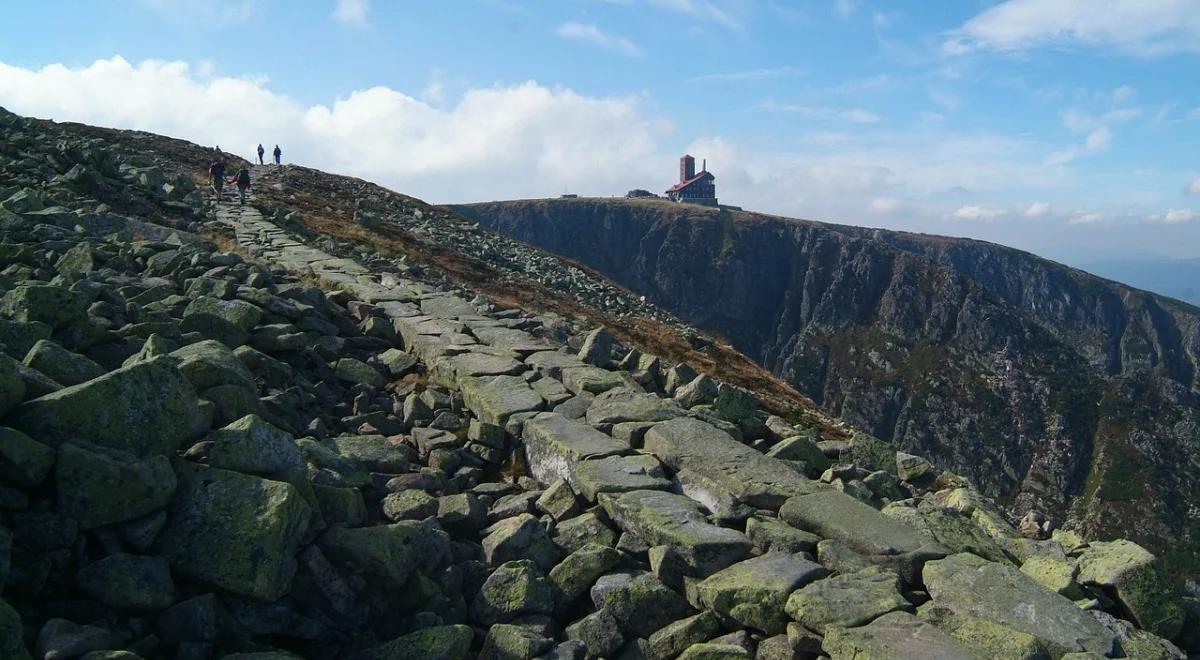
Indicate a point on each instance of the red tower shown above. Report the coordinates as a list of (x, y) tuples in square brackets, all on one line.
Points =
[(687, 168)]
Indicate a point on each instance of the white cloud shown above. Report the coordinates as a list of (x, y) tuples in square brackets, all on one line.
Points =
[(822, 113), (749, 75), (947, 100), (1037, 210), (1138, 27), (1123, 93), (1098, 140), (505, 141), (1194, 187), (845, 8), (885, 204), (191, 11), (726, 13), (352, 12), (973, 212), (1179, 216), (589, 33), (1085, 218)]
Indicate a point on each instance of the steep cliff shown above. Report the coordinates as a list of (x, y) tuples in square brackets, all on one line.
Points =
[(1052, 389)]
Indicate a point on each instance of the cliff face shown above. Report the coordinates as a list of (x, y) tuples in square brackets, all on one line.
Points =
[(1051, 388)]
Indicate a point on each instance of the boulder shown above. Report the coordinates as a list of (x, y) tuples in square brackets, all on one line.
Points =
[(894, 635), (12, 385), (520, 537), (147, 409), (514, 589), (600, 632), (662, 518), (619, 474), (53, 305), (436, 643), (643, 605), (389, 553), (848, 600), (495, 399), (753, 592), (618, 406), (969, 585), (597, 348), (555, 446), (254, 446), (834, 515), (576, 574), (129, 583), (735, 403), (674, 638), (911, 468), (987, 638), (207, 364), (98, 486), (61, 365), (1133, 574), (731, 469), (235, 531), (513, 642), (375, 453), (12, 644), (24, 462)]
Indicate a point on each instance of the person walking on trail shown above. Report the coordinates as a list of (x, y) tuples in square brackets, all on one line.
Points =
[(278, 152), (261, 151), (242, 179), (216, 172)]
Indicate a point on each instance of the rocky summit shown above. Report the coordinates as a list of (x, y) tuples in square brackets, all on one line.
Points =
[(338, 422)]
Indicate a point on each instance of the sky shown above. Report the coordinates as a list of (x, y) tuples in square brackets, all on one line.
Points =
[(1070, 128)]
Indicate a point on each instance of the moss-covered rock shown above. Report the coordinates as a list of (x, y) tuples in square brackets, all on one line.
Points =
[(715, 651), (849, 600), (98, 486), (235, 531), (53, 305), (326, 467), (375, 453), (1054, 573), (254, 446), (12, 634), (643, 605), (575, 574), (987, 638), (674, 638), (520, 537), (388, 552), (129, 582), (210, 363), (436, 643), (61, 365), (357, 372), (341, 506), (1133, 573), (753, 592), (23, 461), (514, 589), (12, 386), (513, 642), (147, 409), (18, 338), (894, 635), (411, 504)]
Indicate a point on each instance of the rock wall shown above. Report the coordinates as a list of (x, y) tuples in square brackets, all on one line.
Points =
[(267, 450)]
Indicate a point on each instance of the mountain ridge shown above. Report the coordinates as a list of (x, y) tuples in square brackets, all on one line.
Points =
[(1027, 375)]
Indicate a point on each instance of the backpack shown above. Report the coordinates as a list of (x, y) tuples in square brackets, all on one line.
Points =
[(243, 177)]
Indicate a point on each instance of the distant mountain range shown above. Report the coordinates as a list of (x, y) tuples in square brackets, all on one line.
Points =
[(1177, 278)]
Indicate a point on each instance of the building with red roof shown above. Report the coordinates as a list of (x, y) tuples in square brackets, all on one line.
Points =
[(694, 188)]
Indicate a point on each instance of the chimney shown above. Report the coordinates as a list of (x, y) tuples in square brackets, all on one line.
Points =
[(704, 165), (687, 168)]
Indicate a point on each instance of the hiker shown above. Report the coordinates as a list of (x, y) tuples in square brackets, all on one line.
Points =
[(277, 153), (216, 172), (261, 151), (242, 179)]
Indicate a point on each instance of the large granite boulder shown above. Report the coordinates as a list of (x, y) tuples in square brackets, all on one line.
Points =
[(147, 409), (1000, 593), (753, 592), (98, 486), (1133, 574), (234, 531), (894, 635), (848, 600)]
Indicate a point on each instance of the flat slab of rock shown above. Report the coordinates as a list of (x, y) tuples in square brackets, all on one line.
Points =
[(969, 585), (595, 379), (728, 465), (556, 446), (1131, 571), (895, 635), (753, 592), (552, 363), (495, 399), (834, 515), (849, 600), (662, 518), (449, 370), (617, 406), (620, 474)]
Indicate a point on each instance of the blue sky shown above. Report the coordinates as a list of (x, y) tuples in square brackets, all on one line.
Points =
[(1067, 127)]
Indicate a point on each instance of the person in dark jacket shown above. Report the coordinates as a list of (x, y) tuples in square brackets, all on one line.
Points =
[(278, 152), (242, 179), (261, 151), (216, 173)]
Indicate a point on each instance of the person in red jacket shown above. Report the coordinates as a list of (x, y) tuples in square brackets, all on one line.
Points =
[(242, 179)]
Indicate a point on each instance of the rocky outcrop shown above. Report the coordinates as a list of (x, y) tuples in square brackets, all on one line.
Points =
[(288, 485), (1054, 390)]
